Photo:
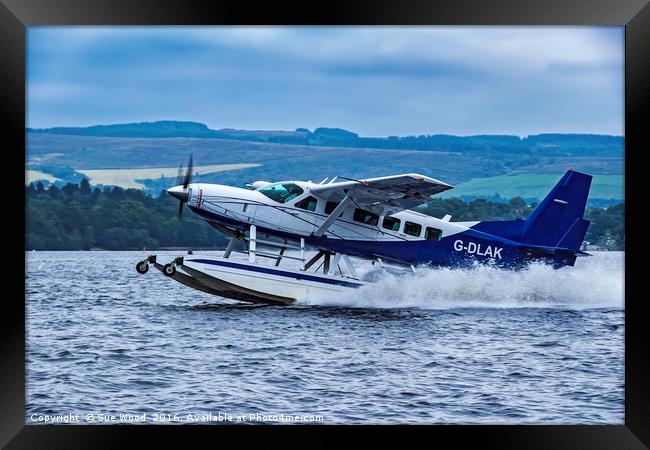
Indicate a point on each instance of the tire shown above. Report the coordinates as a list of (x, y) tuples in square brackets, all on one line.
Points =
[(169, 270), (142, 267)]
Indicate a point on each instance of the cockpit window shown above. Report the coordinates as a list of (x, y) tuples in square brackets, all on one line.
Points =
[(281, 192), (330, 206), (308, 203)]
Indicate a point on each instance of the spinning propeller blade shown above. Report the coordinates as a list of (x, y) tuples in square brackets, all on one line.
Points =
[(188, 174), (179, 177), (182, 194), (180, 209)]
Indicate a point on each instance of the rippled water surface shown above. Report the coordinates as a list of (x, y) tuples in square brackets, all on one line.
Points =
[(441, 346)]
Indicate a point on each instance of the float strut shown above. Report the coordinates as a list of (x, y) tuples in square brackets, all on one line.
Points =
[(314, 259), (326, 265), (231, 244), (252, 239)]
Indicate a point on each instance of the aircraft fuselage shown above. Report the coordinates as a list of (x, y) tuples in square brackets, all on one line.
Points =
[(406, 237)]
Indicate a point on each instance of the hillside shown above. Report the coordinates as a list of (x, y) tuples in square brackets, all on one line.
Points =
[(66, 154), (533, 186), (543, 144)]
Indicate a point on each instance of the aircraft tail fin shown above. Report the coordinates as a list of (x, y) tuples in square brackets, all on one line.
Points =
[(557, 221)]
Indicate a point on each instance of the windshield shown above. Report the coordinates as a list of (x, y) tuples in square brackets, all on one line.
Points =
[(281, 192)]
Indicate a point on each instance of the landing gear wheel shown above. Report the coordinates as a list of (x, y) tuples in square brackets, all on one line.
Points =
[(142, 267), (169, 270)]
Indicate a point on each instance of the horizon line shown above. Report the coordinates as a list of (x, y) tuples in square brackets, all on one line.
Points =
[(326, 127)]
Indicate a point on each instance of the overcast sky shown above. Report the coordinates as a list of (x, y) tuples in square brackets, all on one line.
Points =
[(376, 81)]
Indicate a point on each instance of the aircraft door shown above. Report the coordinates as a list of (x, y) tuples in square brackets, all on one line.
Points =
[(300, 217), (265, 215), (248, 211)]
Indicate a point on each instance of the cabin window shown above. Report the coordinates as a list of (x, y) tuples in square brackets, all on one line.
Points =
[(433, 234), (308, 203), (363, 216), (412, 229), (281, 192), (330, 206), (391, 223)]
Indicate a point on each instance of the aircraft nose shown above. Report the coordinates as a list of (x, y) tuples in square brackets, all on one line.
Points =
[(179, 192)]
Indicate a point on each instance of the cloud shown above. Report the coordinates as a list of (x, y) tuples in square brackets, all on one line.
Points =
[(373, 80), (46, 91)]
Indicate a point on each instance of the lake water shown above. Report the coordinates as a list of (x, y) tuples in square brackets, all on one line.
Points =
[(441, 346)]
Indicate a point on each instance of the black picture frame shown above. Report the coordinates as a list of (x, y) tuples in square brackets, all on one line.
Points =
[(16, 15)]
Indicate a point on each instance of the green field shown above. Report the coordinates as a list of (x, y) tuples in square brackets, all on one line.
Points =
[(533, 186), (129, 178), (479, 170)]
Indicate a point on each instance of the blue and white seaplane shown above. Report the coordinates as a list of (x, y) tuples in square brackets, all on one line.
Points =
[(367, 219)]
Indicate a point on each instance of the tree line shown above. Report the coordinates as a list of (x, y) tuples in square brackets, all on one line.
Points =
[(546, 144), (79, 217)]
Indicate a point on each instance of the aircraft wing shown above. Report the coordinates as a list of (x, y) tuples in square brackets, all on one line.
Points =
[(393, 193)]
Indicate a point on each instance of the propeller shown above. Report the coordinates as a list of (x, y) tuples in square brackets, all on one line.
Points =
[(179, 177), (188, 174), (182, 182), (180, 210)]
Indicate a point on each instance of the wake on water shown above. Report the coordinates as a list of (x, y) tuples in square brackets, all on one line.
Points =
[(594, 282)]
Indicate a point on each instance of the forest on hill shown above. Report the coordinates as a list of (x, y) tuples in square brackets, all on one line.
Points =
[(548, 143)]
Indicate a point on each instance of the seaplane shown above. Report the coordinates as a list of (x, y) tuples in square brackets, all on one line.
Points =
[(320, 227)]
